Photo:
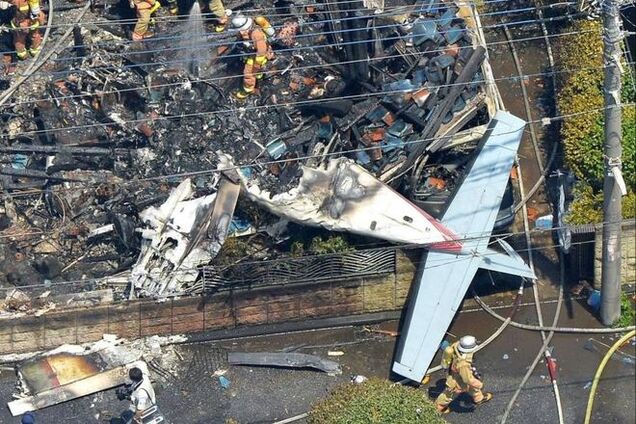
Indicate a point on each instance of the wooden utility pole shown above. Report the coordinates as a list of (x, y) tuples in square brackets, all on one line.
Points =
[(613, 184)]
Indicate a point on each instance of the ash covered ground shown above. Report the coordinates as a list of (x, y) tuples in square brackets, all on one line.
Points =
[(108, 127)]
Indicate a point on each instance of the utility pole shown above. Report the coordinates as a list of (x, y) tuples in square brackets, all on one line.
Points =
[(613, 184)]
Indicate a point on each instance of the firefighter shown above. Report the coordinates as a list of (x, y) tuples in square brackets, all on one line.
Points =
[(7, 67), (216, 7), (458, 360), (258, 49), (27, 18), (218, 12), (144, 9)]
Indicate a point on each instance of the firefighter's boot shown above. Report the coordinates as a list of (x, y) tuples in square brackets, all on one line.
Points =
[(487, 397), (34, 51), (242, 94)]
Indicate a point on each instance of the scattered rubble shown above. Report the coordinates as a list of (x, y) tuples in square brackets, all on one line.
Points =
[(352, 114), (72, 371)]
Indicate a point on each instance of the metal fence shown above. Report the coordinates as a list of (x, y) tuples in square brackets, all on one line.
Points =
[(318, 268), (315, 268)]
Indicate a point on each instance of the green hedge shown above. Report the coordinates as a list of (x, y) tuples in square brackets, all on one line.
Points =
[(580, 61), (588, 206), (375, 401)]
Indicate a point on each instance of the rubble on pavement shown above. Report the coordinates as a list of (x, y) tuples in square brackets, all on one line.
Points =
[(94, 150), (72, 371)]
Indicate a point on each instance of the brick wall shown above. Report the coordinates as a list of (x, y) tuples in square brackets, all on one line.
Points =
[(224, 310)]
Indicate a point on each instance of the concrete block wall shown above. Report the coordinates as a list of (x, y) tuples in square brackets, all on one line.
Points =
[(224, 310), (628, 254)]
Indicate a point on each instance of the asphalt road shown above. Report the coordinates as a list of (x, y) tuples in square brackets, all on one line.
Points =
[(265, 395)]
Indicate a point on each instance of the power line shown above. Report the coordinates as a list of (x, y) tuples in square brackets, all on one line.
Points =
[(273, 72), (239, 167), (205, 15), (234, 42), (279, 50), (258, 107), (459, 258), (267, 72), (233, 32)]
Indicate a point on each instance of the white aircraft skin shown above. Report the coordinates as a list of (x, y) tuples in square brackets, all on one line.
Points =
[(342, 196)]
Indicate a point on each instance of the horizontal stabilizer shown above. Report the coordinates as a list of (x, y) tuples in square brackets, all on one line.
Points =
[(500, 262)]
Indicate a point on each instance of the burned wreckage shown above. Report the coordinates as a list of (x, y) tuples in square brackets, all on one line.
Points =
[(123, 162)]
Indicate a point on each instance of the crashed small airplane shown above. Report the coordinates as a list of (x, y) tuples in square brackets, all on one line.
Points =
[(344, 197), (445, 275)]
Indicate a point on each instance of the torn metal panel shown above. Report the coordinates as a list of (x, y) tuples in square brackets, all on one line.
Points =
[(57, 370), (283, 359), (167, 257), (345, 197), (79, 383), (185, 234), (443, 278), (224, 205)]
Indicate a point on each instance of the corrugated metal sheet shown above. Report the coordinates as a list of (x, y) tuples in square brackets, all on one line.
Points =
[(315, 268)]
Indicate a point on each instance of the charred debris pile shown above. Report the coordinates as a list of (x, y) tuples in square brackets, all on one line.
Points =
[(111, 128)]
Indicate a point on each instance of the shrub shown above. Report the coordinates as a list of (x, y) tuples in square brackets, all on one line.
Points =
[(587, 207), (628, 311), (375, 401), (332, 244), (580, 90)]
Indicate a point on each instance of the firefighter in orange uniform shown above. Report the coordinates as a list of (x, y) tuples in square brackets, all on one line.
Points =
[(256, 40), (458, 359), (145, 9), (7, 66), (27, 18), (216, 8)]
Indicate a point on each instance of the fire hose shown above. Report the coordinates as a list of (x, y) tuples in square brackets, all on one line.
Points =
[(542, 352), (494, 335), (555, 329), (599, 371), (550, 362)]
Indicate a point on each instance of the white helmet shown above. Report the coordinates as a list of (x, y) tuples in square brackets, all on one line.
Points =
[(467, 344), (242, 23)]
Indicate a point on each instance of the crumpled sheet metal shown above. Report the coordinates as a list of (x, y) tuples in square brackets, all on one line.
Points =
[(284, 360), (168, 259), (345, 197), (93, 383), (72, 371)]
